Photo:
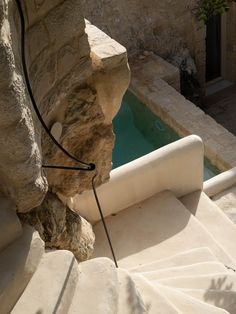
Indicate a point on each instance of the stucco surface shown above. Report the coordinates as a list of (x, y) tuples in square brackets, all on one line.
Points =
[(160, 26)]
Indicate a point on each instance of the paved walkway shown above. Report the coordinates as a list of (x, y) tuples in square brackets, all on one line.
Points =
[(222, 107)]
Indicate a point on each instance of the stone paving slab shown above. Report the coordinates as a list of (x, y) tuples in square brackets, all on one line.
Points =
[(154, 65), (221, 106)]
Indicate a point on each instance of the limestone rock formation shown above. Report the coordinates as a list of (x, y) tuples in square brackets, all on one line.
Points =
[(80, 88), (20, 158), (75, 86), (78, 76), (161, 26), (86, 136), (61, 228)]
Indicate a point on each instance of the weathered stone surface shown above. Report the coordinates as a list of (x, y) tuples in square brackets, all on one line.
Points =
[(111, 70), (20, 158), (78, 78), (85, 102), (161, 26), (78, 83), (154, 66), (61, 228), (86, 136)]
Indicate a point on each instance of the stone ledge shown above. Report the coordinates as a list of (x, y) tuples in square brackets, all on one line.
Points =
[(109, 51), (220, 183), (154, 66)]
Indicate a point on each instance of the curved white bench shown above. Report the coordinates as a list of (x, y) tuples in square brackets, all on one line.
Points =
[(177, 167)]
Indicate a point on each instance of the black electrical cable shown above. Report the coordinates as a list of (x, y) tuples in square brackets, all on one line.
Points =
[(89, 167), (103, 220)]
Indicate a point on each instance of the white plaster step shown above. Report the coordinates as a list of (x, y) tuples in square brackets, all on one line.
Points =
[(209, 214), (190, 270), (187, 304), (52, 286), (18, 262), (190, 257), (225, 299), (155, 301), (224, 281), (10, 226), (130, 300), (153, 229), (97, 288)]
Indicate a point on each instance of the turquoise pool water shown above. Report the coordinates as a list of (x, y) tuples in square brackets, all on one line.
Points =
[(138, 132)]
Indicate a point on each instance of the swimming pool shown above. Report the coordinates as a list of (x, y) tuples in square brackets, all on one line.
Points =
[(138, 132)]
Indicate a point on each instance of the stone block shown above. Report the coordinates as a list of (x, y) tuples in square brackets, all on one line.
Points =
[(65, 22), (54, 103), (37, 40), (18, 262), (61, 228), (109, 52), (157, 67), (37, 9), (55, 278), (20, 141), (10, 226), (43, 74), (71, 54)]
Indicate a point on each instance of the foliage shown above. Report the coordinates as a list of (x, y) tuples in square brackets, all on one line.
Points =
[(209, 8)]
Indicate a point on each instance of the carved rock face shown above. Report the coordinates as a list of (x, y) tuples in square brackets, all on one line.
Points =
[(61, 228), (77, 87), (84, 135), (20, 158), (78, 83)]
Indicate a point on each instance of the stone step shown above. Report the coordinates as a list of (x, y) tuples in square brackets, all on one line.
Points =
[(190, 270), (225, 299), (212, 217), (52, 286), (187, 304), (130, 300), (190, 257), (218, 281), (10, 226), (18, 262), (153, 229), (155, 301), (97, 288)]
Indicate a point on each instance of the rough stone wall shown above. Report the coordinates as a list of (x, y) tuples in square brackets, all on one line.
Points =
[(158, 25), (61, 71), (231, 44), (63, 78), (61, 228), (21, 178)]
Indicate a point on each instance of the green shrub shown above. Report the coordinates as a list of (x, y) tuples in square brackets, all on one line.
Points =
[(209, 8)]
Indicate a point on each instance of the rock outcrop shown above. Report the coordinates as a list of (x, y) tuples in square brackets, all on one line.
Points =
[(61, 228), (78, 76), (76, 87), (20, 159)]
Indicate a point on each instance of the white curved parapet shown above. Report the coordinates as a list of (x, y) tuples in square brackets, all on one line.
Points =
[(220, 182), (177, 167)]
